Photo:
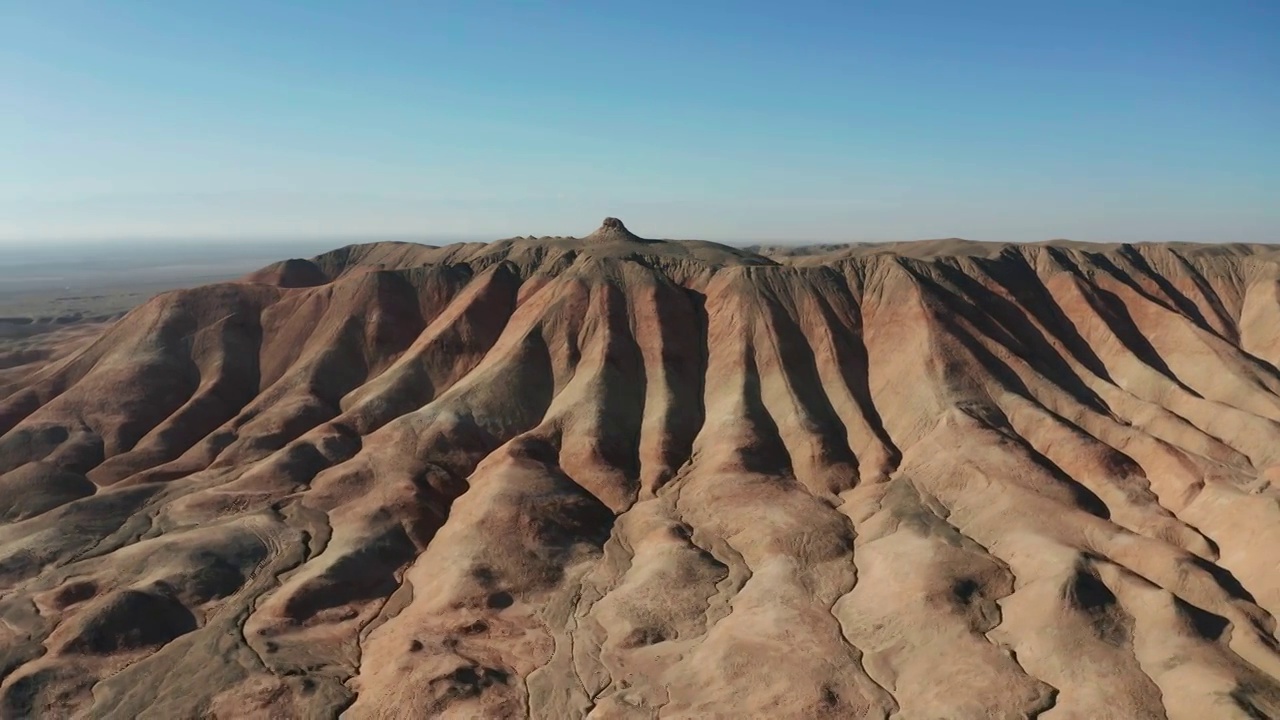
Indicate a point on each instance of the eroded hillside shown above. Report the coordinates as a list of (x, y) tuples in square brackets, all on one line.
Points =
[(625, 478)]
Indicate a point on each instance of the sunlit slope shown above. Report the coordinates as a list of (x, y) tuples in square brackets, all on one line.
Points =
[(616, 477)]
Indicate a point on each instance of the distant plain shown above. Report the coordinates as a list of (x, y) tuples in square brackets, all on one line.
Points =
[(84, 280)]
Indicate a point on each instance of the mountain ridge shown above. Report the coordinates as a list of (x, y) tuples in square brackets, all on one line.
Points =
[(621, 477)]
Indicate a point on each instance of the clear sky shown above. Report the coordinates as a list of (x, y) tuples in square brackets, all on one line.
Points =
[(727, 120)]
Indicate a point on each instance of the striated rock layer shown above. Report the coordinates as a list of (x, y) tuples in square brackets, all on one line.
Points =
[(626, 478)]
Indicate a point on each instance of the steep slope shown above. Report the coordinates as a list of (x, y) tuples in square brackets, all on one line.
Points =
[(614, 477)]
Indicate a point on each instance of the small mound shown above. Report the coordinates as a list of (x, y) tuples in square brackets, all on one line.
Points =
[(73, 593), (37, 488), (130, 620), (293, 273)]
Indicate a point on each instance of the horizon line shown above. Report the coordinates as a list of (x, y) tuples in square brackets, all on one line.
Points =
[(426, 239)]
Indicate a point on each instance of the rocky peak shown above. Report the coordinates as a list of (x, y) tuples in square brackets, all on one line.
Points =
[(612, 230)]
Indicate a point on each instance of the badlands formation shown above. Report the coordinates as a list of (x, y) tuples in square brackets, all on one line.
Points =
[(612, 477)]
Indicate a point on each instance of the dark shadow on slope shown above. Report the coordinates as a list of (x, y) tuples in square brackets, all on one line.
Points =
[(625, 387), (1116, 315), (1015, 275), (366, 573), (769, 454), (1211, 296), (1181, 302), (1087, 594), (1006, 323), (1207, 625), (1085, 499), (684, 362), (1225, 579), (799, 364), (994, 367), (851, 358)]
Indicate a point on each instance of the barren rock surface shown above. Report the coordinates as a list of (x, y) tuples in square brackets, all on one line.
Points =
[(611, 477)]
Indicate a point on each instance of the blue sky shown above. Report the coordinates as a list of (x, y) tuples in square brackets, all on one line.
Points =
[(743, 120)]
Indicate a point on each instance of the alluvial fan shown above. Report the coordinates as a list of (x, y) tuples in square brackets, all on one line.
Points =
[(613, 477)]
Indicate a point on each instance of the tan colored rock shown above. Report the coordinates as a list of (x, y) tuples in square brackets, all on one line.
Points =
[(617, 477)]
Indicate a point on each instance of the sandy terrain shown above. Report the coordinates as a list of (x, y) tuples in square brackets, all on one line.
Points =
[(612, 477)]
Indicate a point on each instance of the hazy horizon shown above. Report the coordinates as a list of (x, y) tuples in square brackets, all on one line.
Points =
[(155, 264), (53, 248), (734, 122)]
